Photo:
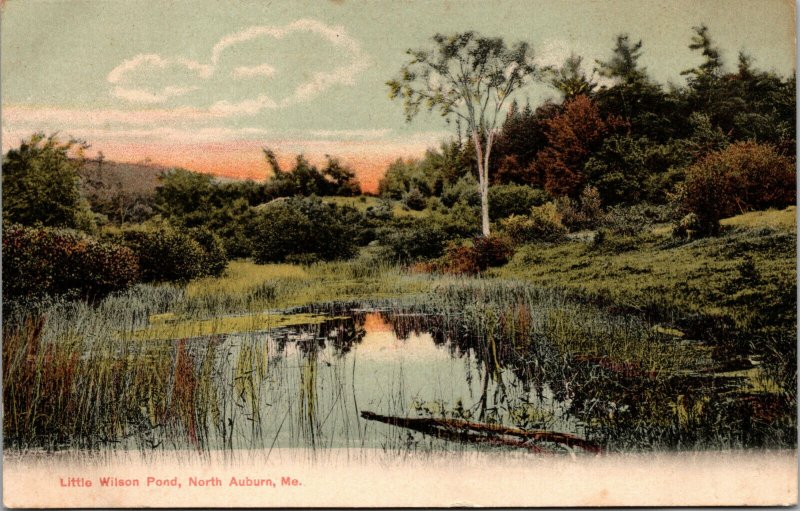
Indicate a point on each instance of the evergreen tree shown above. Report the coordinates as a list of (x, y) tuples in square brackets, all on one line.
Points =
[(633, 96), (571, 80)]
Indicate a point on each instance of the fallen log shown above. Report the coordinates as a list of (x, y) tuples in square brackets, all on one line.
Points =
[(477, 432)]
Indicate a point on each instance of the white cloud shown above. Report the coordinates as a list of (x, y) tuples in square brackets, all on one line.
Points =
[(120, 78), (251, 71), (555, 52), (145, 96), (156, 61), (133, 80), (248, 106), (552, 53)]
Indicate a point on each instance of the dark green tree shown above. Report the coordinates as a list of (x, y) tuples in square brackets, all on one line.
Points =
[(185, 198), (341, 179), (709, 71), (40, 182), (633, 96), (707, 92), (306, 179)]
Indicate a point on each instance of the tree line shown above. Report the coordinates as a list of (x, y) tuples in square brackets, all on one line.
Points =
[(616, 151), (615, 130)]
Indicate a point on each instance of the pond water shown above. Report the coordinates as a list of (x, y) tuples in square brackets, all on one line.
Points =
[(309, 385), (323, 384)]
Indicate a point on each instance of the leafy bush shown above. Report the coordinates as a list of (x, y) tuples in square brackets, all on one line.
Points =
[(742, 177), (507, 200), (632, 220), (542, 224), (166, 254), (464, 190), (485, 252), (585, 213), (458, 259), (460, 221), (627, 169), (294, 226), (433, 203), (215, 259), (185, 197), (491, 251), (43, 261), (414, 200), (381, 211), (686, 227), (411, 239)]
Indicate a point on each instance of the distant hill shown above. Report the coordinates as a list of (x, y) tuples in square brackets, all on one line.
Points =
[(133, 178)]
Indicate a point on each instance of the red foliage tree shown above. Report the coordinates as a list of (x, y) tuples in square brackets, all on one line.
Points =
[(571, 137)]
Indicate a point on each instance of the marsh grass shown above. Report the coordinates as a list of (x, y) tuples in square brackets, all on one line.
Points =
[(247, 286), (634, 384)]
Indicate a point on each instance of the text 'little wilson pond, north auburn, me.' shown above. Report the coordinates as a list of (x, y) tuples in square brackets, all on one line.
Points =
[(176, 482)]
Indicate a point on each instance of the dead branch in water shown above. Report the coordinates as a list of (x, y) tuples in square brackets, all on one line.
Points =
[(476, 432)]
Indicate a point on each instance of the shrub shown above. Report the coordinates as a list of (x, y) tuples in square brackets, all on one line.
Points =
[(742, 177), (460, 221), (485, 252), (585, 213), (542, 224), (294, 226), (215, 259), (632, 220), (464, 190), (166, 254), (381, 211), (433, 203), (458, 259), (686, 227), (410, 239), (507, 200), (43, 261), (414, 200), (491, 251), (237, 242)]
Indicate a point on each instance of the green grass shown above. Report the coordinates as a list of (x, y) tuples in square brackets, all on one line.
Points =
[(745, 277), (250, 287), (777, 219), (363, 202)]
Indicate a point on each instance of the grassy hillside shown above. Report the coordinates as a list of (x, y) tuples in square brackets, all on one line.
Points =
[(743, 280), (132, 178)]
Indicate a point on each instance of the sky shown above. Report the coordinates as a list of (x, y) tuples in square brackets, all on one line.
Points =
[(207, 84)]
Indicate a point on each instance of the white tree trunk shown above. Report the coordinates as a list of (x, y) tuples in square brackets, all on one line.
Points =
[(483, 179), (484, 203)]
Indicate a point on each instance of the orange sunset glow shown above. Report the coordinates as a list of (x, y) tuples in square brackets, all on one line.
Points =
[(245, 159)]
